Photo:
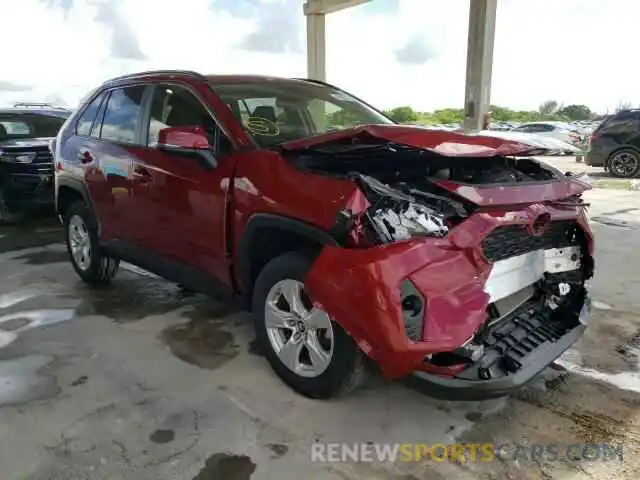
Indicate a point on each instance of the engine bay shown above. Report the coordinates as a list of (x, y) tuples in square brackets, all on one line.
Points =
[(400, 182)]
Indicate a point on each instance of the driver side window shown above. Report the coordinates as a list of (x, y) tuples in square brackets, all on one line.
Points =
[(175, 106)]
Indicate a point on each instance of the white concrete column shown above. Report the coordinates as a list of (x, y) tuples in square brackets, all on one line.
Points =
[(316, 46), (482, 28)]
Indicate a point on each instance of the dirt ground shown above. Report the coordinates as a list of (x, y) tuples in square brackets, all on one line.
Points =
[(145, 381)]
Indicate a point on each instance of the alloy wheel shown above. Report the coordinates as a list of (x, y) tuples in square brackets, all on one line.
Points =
[(80, 242), (624, 164), (300, 333)]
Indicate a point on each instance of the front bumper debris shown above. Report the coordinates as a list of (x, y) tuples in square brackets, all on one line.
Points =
[(515, 352)]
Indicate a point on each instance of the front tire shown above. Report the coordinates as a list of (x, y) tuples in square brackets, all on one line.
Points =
[(89, 260), (307, 350), (624, 163)]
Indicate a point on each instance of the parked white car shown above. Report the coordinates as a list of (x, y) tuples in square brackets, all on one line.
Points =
[(553, 145), (558, 130)]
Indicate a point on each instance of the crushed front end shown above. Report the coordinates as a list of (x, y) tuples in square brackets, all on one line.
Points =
[(466, 288)]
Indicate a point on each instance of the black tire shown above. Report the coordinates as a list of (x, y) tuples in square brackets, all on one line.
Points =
[(346, 368), (101, 268), (632, 166)]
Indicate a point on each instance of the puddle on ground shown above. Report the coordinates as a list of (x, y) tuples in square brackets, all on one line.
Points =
[(278, 450), (21, 382), (80, 381), (162, 436), (225, 466), (134, 297), (255, 348), (15, 238), (202, 343), (209, 310), (45, 257)]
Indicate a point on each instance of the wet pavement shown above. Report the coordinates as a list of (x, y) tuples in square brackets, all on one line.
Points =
[(143, 380)]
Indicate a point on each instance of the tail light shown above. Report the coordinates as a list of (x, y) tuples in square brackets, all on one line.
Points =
[(594, 136)]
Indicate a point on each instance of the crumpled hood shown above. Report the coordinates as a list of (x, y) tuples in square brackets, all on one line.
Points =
[(446, 143)]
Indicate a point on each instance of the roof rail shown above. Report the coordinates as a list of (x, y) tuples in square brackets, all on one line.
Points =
[(33, 104), (131, 76), (49, 106)]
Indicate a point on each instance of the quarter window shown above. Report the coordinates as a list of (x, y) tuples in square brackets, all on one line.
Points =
[(87, 118), (122, 115)]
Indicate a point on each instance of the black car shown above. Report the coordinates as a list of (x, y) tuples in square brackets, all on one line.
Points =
[(615, 144), (26, 163)]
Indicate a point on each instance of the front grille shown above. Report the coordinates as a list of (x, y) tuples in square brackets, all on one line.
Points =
[(42, 164), (513, 240)]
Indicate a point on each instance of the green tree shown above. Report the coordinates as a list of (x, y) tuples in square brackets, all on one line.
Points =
[(403, 114), (549, 107), (576, 112)]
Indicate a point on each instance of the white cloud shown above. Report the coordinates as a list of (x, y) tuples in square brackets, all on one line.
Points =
[(573, 51)]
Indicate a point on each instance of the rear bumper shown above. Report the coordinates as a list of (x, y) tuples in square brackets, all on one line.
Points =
[(468, 385)]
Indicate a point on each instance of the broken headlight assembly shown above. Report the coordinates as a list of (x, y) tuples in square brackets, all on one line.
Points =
[(396, 216), (407, 221)]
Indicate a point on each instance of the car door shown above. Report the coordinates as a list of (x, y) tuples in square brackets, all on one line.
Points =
[(184, 197), (119, 132)]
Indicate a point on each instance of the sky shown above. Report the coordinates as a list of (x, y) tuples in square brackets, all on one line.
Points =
[(388, 52)]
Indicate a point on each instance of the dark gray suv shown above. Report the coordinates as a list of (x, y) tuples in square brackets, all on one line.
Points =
[(615, 144)]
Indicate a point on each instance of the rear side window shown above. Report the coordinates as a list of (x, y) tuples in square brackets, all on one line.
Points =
[(621, 123), (83, 127), (122, 115)]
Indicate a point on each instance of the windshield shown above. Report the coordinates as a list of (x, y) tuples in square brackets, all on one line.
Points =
[(24, 126), (274, 112)]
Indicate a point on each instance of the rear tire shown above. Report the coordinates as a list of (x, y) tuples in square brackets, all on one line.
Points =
[(624, 163), (89, 260), (326, 368)]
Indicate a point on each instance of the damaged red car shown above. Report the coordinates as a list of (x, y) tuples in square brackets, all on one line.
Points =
[(457, 262)]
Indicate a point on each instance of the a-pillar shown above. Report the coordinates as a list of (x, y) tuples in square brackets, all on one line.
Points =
[(482, 28)]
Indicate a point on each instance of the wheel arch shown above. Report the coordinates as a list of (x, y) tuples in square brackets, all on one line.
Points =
[(267, 236), (70, 190)]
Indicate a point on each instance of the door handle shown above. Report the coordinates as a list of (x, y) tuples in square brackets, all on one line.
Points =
[(85, 156)]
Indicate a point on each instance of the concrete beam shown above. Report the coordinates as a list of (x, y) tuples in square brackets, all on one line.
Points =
[(316, 47), (315, 11), (482, 28), (329, 6)]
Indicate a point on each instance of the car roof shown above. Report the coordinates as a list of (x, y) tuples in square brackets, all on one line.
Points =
[(46, 112), (211, 79)]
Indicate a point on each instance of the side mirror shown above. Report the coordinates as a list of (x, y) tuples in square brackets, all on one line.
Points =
[(188, 141), (183, 138)]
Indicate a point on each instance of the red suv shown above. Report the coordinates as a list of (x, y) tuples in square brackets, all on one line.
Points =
[(454, 261)]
